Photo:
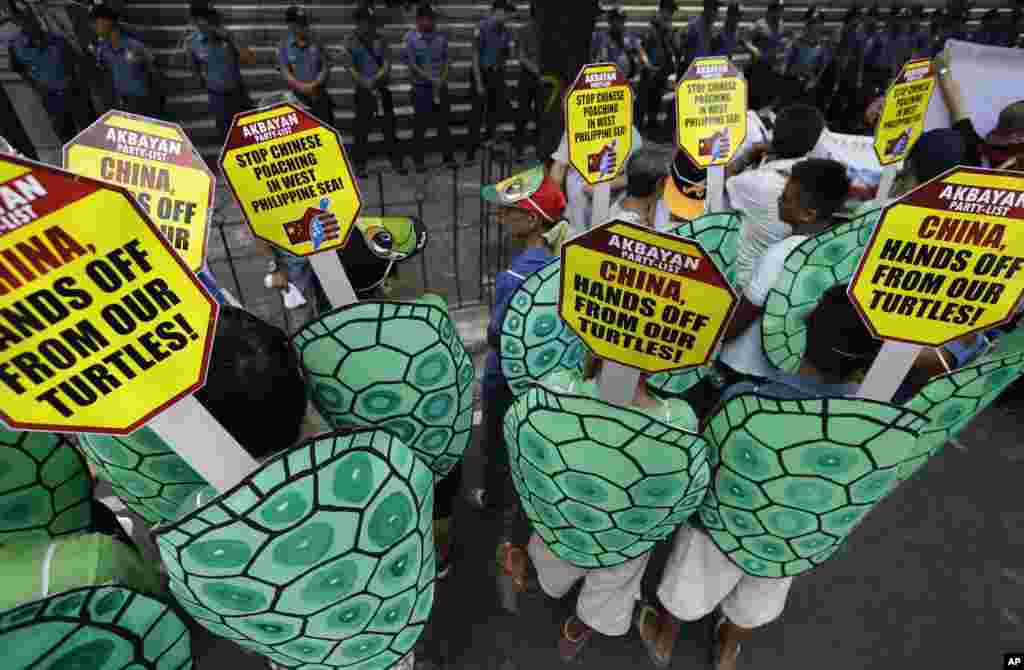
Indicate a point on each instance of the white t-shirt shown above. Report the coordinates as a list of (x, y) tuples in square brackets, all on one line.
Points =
[(756, 194), (617, 213), (744, 353)]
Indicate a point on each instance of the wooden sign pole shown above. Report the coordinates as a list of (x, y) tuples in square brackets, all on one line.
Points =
[(333, 278), (715, 190), (889, 370)]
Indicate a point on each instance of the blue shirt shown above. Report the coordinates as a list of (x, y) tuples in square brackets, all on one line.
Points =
[(724, 44), (427, 51), (658, 45), (128, 65), (697, 41), (495, 42), (505, 284), (878, 54), (803, 59), (307, 63), (45, 63), (367, 58), (768, 42), (607, 50), (217, 59)]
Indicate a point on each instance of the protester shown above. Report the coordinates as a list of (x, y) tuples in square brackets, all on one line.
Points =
[(755, 192), (370, 67), (492, 44), (216, 60), (51, 67), (608, 595), (426, 55), (813, 192), (659, 45), (136, 82), (685, 194), (646, 170), (305, 65), (528, 90)]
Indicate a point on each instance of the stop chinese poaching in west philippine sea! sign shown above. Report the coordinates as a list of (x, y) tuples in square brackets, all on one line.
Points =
[(645, 299), (945, 260), (102, 325)]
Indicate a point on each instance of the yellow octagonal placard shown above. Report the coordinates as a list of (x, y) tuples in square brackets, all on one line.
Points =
[(902, 119), (102, 325), (945, 260), (645, 299), (290, 176), (599, 122), (711, 111), (157, 163)]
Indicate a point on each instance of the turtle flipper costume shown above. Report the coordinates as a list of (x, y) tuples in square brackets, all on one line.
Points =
[(815, 266), (45, 488), (601, 484), (322, 558), (399, 366), (791, 479), (952, 400), (87, 601), (149, 477)]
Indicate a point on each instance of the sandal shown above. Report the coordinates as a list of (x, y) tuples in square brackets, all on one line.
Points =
[(713, 652), (569, 647), (513, 575), (655, 627)]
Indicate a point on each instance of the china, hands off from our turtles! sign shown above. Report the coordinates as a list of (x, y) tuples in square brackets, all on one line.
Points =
[(902, 119), (945, 260), (599, 122), (711, 111), (156, 162), (644, 299), (290, 176), (102, 324)]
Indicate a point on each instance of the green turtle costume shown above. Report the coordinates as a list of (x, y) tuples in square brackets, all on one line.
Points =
[(791, 479), (602, 484), (45, 487), (400, 366), (812, 268), (952, 400), (149, 477), (322, 558)]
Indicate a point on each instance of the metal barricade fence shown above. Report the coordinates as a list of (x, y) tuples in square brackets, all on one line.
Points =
[(464, 248)]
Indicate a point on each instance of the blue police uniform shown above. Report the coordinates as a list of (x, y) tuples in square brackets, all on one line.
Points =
[(429, 52), (696, 42), (878, 59), (368, 57), (130, 67), (658, 44), (494, 43), (308, 63), (623, 51), (49, 65), (215, 56)]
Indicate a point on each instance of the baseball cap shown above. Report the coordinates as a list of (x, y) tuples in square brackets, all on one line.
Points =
[(686, 190), (935, 152), (101, 10), (1010, 128), (425, 11), (531, 190), (298, 15)]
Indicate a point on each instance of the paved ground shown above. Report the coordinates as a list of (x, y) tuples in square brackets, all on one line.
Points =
[(934, 578)]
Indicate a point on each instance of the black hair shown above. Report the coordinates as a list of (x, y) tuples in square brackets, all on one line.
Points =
[(645, 171), (824, 185), (838, 342), (797, 129), (254, 385)]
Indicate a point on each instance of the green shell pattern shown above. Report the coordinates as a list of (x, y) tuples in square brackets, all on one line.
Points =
[(146, 473), (322, 558), (399, 366), (791, 479), (95, 628), (815, 266), (952, 400), (601, 484), (534, 339), (45, 487)]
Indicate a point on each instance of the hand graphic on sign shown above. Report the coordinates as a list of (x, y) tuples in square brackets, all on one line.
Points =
[(720, 145), (317, 232), (609, 159)]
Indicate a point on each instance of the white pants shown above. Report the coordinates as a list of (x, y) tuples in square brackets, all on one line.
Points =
[(608, 595), (698, 577)]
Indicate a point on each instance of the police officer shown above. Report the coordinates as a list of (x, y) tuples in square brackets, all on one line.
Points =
[(137, 86), (765, 47), (619, 47), (48, 63), (492, 43), (726, 40), (877, 56), (660, 45), (805, 60), (216, 59), (528, 90), (305, 66), (844, 71), (425, 52), (696, 41), (370, 67)]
